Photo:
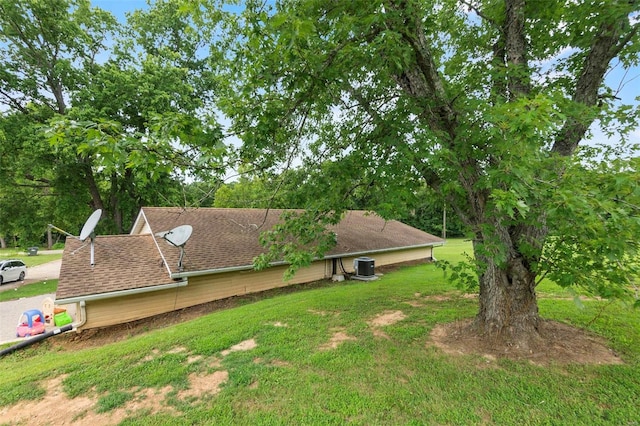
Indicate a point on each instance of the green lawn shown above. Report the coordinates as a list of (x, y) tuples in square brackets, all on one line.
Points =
[(29, 290), (30, 261), (376, 375)]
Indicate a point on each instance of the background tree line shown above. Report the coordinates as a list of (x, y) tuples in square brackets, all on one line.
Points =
[(101, 114)]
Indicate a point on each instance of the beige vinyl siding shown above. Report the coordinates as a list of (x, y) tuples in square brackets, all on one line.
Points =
[(207, 288), (118, 310), (146, 229), (201, 289), (220, 286), (390, 258)]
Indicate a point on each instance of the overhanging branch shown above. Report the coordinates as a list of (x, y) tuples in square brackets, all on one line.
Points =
[(607, 44)]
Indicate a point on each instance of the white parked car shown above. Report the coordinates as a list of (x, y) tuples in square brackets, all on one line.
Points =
[(12, 270)]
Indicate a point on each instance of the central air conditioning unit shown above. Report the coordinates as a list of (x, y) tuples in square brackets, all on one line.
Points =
[(365, 268)]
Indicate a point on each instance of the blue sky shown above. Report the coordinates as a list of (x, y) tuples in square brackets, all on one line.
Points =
[(119, 7)]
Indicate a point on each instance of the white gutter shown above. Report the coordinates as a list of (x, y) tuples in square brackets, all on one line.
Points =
[(359, 253), (80, 306), (120, 293), (280, 263)]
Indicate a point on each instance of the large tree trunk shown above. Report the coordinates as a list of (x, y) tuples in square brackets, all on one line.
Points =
[(508, 308)]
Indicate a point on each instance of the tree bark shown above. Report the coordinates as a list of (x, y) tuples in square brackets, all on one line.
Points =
[(49, 238), (96, 198), (516, 49), (508, 308)]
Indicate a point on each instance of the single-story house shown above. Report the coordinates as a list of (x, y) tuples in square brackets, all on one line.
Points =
[(140, 275)]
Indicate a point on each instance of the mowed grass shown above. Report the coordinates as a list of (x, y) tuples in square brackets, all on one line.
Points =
[(29, 290), (387, 374), (30, 261)]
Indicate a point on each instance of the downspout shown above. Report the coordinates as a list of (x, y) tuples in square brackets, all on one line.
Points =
[(80, 307)]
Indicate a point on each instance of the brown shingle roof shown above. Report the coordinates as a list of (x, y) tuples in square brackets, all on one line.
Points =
[(221, 238), (122, 262), (227, 238)]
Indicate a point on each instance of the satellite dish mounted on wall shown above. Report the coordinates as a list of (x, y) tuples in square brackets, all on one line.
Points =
[(177, 237), (87, 230)]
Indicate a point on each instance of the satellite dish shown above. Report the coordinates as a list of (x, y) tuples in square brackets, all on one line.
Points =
[(87, 231), (90, 225), (178, 236)]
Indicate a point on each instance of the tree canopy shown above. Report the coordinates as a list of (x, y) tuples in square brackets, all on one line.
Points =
[(102, 114)]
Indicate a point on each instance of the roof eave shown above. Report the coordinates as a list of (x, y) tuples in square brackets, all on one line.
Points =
[(360, 253), (280, 263)]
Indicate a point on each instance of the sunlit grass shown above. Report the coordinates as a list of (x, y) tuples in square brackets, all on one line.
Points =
[(29, 290), (30, 261)]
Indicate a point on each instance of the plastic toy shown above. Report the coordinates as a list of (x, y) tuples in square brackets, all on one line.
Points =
[(62, 318), (31, 323)]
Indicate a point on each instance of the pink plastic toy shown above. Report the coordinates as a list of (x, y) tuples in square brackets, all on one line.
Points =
[(31, 323)]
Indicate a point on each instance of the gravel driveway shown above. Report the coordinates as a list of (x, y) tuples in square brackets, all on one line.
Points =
[(10, 311)]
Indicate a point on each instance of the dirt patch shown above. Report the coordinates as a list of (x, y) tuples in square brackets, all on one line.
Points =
[(379, 333), (178, 350), (324, 313), (384, 319), (336, 340), (46, 410), (387, 318), (208, 384), (193, 358), (273, 363), (81, 409), (242, 346), (561, 344), (145, 399)]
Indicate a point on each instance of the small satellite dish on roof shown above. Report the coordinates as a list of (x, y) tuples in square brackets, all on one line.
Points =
[(87, 230), (90, 225), (177, 237)]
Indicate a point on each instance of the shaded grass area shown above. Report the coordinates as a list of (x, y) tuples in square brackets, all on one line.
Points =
[(398, 378)]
